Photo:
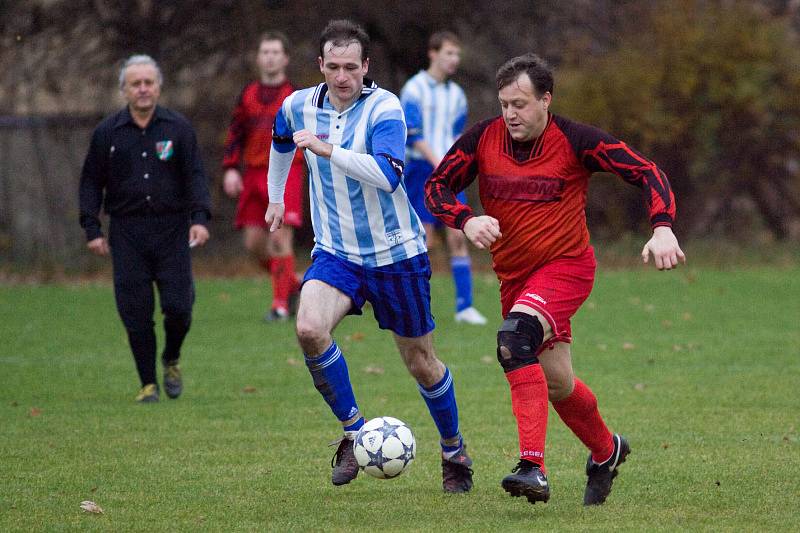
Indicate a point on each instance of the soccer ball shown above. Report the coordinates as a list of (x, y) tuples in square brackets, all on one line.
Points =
[(384, 447)]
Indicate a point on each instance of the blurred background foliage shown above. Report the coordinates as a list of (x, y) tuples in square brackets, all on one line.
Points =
[(709, 89)]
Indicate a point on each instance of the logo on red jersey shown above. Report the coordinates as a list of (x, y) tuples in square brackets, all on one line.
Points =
[(524, 188), (536, 297)]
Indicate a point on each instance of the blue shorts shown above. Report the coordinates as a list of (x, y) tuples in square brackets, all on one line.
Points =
[(416, 173), (400, 293)]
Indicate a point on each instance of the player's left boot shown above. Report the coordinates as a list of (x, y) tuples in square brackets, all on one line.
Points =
[(277, 314), (173, 381), (294, 301), (456, 472), (602, 475), (345, 466), (470, 315)]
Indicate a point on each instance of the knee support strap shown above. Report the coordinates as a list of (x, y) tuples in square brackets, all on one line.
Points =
[(518, 340)]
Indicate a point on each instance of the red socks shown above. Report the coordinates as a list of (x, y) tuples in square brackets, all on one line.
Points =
[(529, 403), (579, 412), (284, 280), (266, 264)]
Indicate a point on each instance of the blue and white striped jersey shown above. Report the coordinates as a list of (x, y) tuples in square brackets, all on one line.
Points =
[(359, 207), (435, 112)]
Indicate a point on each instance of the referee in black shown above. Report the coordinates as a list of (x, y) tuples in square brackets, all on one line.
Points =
[(144, 166)]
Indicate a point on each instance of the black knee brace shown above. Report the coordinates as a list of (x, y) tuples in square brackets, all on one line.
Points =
[(518, 339)]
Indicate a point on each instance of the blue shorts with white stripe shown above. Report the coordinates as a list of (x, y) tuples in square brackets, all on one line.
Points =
[(400, 293)]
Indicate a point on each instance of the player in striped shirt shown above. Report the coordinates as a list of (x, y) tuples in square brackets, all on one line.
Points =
[(370, 244), (436, 112)]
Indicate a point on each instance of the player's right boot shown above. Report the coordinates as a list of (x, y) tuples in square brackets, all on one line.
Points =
[(456, 472), (602, 475), (148, 394), (345, 466), (526, 479)]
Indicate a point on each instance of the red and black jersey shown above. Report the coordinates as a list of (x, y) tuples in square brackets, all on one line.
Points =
[(250, 133), (537, 189)]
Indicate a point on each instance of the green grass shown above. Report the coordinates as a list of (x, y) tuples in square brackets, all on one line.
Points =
[(698, 368)]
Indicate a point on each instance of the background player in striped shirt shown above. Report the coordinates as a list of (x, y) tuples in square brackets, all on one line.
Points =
[(436, 113), (247, 145), (370, 244), (533, 168)]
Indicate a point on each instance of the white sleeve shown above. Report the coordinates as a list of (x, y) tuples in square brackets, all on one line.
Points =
[(362, 167), (279, 165)]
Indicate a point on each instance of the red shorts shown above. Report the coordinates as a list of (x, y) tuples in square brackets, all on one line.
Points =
[(253, 200), (556, 290)]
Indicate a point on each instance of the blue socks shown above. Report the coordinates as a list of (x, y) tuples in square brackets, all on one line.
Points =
[(462, 277), (329, 372), (331, 379), (441, 401)]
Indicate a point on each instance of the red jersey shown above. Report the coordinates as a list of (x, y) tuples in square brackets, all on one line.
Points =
[(537, 189), (250, 133)]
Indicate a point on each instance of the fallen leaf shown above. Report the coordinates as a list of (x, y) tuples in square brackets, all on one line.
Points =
[(649, 308), (249, 389), (628, 346), (357, 336), (374, 370), (677, 348), (634, 301), (486, 359), (292, 361), (35, 411), (91, 507), (639, 386), (686, 316), (666, 323), (665, 445)]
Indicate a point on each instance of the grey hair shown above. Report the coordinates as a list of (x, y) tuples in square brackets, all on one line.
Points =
[(139, 59)]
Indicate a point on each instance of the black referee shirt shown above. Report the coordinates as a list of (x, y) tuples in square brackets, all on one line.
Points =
[(155, 170)]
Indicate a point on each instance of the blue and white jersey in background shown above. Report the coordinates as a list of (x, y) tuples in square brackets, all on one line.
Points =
[(435, 112), (359, 207)]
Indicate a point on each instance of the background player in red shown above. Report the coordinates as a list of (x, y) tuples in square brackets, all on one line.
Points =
[(248, 144), (533, 170)]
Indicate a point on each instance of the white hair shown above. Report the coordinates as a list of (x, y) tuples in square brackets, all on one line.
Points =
[(139, 59)]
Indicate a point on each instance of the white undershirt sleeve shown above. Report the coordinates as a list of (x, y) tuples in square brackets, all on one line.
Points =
[(362, 167), (279, 165)]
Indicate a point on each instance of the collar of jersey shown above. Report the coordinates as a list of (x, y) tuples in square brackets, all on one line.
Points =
[(433, 82), (126, 118), (322, 91)]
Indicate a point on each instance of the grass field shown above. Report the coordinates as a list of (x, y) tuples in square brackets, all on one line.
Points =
[(698, 368)]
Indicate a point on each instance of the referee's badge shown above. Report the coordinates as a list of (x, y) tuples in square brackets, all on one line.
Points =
[(164, 150)]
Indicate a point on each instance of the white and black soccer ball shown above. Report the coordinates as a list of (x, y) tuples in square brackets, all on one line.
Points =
[(384, 447)]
